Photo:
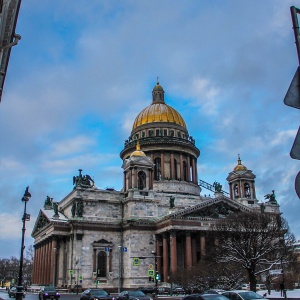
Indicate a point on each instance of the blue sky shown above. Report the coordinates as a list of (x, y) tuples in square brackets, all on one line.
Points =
[(83, 70)]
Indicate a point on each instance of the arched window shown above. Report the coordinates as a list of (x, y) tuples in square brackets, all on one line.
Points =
[(236, 190), (184, 171), (247, 190), (157, 169), (141, 180), (175, 169), (101, 264)]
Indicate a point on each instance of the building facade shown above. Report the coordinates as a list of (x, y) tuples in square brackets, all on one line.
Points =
[(158, 223)]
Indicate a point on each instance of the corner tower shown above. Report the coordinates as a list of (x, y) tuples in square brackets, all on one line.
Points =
[(164, 138), (242, 184)]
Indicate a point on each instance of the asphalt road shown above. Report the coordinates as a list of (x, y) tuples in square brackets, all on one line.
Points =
[(30, 296)]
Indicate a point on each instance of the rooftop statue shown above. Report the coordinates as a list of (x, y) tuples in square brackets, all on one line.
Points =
[(83, 180), (217, 186), (172, 199), (271, 197), (55, 207)]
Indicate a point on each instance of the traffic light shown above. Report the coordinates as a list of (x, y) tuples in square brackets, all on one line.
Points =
[(292, 97), (157, 276)]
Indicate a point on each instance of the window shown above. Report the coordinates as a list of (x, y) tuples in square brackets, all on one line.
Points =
[(165, 132), (184, 171), (236, 190), (101, 264), (141, 180), (175, 169), (157, 132), (157, 169), (247, 190)]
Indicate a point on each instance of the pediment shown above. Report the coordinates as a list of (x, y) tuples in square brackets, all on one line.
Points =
[(214, 208), (41, 222)]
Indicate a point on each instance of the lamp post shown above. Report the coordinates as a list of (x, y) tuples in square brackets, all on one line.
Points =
[(119, 277), (26, 217)]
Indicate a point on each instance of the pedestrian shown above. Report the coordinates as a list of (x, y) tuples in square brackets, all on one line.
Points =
[(282, 289)]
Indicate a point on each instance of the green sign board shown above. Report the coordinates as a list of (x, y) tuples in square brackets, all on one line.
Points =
[(151, 273), (136, 261)]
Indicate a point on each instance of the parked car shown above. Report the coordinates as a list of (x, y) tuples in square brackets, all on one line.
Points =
[(48, 292), (243, 286), (133, 295), (261, 286), (242, 295), (163, 290), (204, 297), (99, 294), (178, 290), (147, 289), (13, 291)]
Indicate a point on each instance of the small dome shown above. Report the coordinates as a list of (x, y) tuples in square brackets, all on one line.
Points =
[(138, 151), (239, 166)]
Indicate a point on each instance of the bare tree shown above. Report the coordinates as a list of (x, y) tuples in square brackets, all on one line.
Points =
[(258, 242)]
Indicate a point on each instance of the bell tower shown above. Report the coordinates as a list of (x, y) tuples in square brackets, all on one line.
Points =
[(242, 184)]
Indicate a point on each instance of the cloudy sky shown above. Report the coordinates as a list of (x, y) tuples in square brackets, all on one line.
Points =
[(83, 70)]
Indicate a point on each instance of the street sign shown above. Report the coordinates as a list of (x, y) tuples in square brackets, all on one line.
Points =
[(292, 97), (136, 261), (151, 273), (124, 249), (71, 272), (276, 272), (150, 266), (107, 249)]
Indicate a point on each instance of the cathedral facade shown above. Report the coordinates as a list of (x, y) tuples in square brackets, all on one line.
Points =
[(158, 224)]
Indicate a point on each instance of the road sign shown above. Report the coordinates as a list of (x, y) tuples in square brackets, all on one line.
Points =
[(276, 272), (150, 266), (71, 272), (136, 261), (151, 273), (107, 249), (124, 249), (292, 97)]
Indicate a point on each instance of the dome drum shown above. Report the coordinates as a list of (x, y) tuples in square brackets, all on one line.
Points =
[(168, 144)]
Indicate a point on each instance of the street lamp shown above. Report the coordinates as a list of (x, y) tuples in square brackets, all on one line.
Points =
[(26, 217)]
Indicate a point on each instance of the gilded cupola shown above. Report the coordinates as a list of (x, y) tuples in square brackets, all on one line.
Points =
[(158, 111), (239, 166)]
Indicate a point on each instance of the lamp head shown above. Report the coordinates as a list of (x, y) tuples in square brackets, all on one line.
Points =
[(27, 195)]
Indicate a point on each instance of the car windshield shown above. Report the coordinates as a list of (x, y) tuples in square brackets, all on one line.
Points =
[(250, 295), (98, 293), (136, 294)]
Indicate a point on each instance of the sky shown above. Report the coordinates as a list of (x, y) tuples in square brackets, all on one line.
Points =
[(83, 70)]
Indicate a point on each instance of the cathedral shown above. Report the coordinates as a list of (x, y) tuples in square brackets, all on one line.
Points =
[(158, 224)]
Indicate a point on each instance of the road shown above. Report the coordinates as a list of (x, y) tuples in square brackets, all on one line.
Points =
[(29, 296)]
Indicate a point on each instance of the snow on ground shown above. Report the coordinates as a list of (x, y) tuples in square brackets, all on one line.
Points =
[(274, 294)]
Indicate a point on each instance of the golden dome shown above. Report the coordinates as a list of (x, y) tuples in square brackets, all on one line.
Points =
[(138, 151), (239, 166), (158, 111)]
